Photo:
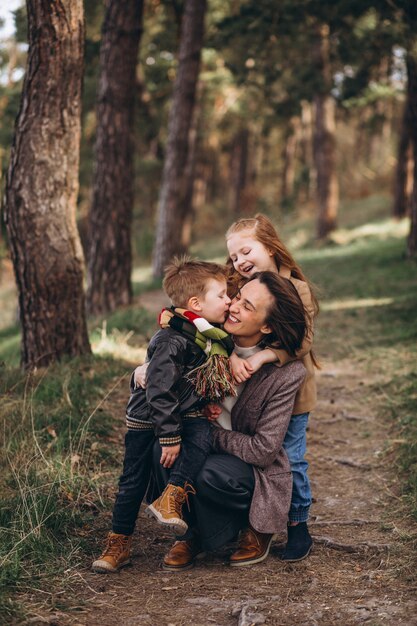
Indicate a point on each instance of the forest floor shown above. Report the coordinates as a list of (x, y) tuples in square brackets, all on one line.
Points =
[(362, 568), (56, 506)]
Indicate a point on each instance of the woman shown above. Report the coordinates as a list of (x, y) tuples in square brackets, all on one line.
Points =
[(246, 485)]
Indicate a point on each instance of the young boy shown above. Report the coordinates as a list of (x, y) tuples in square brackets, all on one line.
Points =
[(186, 347)]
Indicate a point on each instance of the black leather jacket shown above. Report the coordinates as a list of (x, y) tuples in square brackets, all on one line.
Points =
[(168, 393)]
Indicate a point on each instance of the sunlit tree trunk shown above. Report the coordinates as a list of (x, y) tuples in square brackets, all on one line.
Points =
[(110, 256), (324, 140), (412, 94), (42, 187), (173, 184)]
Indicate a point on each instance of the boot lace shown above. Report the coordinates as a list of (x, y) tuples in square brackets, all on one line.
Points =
[(115, 545), (178, 496)]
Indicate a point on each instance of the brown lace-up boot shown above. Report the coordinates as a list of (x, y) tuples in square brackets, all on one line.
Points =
[(116, 554), (253, 547), (167, 509)]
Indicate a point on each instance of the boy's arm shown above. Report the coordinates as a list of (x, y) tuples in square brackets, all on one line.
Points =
[(165, 368)]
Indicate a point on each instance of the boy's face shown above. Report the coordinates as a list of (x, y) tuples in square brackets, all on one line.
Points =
[(214, 305)]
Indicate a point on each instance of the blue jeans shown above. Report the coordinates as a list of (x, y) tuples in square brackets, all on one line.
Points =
[(295, 447)]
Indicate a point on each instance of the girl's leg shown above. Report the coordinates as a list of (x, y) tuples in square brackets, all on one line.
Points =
[(295, 446), (299, 541)]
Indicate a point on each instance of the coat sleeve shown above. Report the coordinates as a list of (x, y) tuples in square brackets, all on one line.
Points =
[(165, 369), (261, 448), (282, 356)]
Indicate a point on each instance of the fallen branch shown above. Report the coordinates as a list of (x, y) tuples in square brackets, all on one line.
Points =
[(356, 418), (329, 421), (341, 522), (248, 616), (350, 463), (350, 547)]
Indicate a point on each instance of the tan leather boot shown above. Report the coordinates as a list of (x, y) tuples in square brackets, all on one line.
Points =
[(253, 547), (116, 554), (167, 509), (182, 555)]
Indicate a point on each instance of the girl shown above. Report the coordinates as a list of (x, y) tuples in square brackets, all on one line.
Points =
[(253, 245)]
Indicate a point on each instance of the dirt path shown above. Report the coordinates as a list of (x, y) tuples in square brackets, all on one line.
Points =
[(360, 570)]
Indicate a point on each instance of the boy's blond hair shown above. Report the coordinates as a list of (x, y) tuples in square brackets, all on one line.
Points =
[(186, 277)]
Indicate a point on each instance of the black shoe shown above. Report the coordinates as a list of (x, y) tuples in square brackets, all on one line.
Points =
[(299, 543)]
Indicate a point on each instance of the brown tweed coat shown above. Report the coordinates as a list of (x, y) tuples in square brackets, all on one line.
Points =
[(260, 420)]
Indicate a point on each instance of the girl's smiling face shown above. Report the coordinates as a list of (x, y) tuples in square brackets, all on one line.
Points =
[(249, 255)]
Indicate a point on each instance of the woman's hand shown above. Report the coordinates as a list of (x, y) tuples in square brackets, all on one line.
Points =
[(169, 455), (241, 368), (140, 375), (212, 411)]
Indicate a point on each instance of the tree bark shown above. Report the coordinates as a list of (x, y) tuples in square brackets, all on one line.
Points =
[(324, 141), (306, 151), (412, 95), (173, 184), (187, 208), (110, 257), (404, 171), (42, 187), (291, 139), (238, 170)]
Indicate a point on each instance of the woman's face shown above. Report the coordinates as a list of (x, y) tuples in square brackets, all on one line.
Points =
[(249, 255), (248, 311)]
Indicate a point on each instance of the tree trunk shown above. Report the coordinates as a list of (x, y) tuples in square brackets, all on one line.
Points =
[(173, 184), (187, 207), (291, 139), (324, 142), (412, 95), (42, 187), (404, 171), (110, 257), (238, 171), (306, 151)]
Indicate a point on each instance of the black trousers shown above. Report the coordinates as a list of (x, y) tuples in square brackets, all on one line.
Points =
[(224, 493), (137, 467)]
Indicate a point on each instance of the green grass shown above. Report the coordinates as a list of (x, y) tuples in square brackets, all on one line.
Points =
[(49, 422), (9, 346), (56, 457), (368, 295)]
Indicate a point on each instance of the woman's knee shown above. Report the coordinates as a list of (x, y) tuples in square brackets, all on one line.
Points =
[(225, 474)]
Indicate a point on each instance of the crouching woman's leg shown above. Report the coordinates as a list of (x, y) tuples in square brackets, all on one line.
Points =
[(219, 510), (224, 492)]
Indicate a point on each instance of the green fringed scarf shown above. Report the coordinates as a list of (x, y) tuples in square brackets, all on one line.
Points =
[(213, 380)]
